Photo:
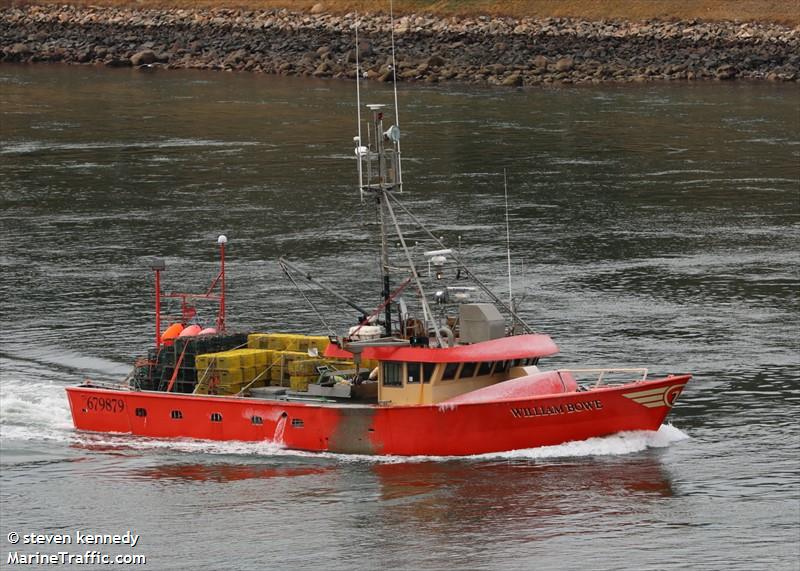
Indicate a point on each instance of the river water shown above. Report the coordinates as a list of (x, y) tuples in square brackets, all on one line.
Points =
[(652, 225)]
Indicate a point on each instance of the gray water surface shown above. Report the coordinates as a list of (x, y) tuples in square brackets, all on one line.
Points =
[(651, 226)]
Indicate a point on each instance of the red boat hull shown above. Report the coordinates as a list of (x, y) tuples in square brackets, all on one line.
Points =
[(430, 430)]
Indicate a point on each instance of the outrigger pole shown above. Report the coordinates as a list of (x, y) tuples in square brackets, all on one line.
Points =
[(286, 264)]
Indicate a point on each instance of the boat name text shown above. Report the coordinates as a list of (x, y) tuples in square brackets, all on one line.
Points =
[(566, 408)]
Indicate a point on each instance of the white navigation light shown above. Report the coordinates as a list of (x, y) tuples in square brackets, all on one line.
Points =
[(461, 294), (222, 239), (438, 261), (432, 253), (361, 151)]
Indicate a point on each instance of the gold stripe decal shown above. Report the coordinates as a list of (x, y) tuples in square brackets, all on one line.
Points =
[(652, 398)]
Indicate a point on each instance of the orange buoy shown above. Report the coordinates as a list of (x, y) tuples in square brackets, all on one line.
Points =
[(170, 333), (190, 331)]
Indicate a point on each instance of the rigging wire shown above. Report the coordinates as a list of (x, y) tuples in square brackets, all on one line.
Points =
[(314, 307), (427, 314), (483, 286)]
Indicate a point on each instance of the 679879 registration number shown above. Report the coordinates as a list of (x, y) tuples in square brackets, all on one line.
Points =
[(105, 404)]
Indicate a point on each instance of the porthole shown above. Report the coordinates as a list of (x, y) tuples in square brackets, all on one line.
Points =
[(141, 412), (297, 423), (256, 420), (216, 417), (176, 414)]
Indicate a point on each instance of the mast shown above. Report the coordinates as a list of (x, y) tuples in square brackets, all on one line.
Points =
[(221, 241), (158, 267), (386, 182), (385, 264), (378, 168)]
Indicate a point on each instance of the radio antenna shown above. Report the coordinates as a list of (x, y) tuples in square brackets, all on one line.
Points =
[(396, 108), (508, 243), (359, 144)]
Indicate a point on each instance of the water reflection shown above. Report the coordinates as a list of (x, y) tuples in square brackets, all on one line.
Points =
[(196, 472), (519, 495)]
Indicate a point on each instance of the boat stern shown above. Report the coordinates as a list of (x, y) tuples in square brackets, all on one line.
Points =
[(99, 410)]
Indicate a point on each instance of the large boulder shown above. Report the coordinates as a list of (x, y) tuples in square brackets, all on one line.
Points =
[(565, 64), (144, 57), (540, 62), (513, 80), (435, 61), (726, 72)]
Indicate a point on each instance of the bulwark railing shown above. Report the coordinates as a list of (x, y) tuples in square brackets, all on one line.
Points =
[(620, 376)]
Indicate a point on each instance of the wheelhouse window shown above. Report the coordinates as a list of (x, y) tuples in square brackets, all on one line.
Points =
[(485, 368), (468, 370), (450, 371), (392, 374), (420, 371)]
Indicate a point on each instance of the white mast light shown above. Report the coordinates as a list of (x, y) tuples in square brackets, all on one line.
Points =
[(432, 253)]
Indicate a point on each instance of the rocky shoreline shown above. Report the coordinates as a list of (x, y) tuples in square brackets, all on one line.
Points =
[(482, 50)]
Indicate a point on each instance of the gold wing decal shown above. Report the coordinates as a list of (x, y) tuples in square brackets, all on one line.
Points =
[(652, 398)]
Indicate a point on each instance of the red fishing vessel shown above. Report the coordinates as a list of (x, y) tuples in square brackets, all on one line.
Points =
[(452, 375)]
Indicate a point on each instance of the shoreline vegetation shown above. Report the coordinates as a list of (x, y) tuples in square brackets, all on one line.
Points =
[(431, 46)]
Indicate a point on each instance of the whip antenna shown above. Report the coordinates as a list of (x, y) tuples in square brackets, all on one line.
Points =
[(359, 144), (508, 245), (396, 108)]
